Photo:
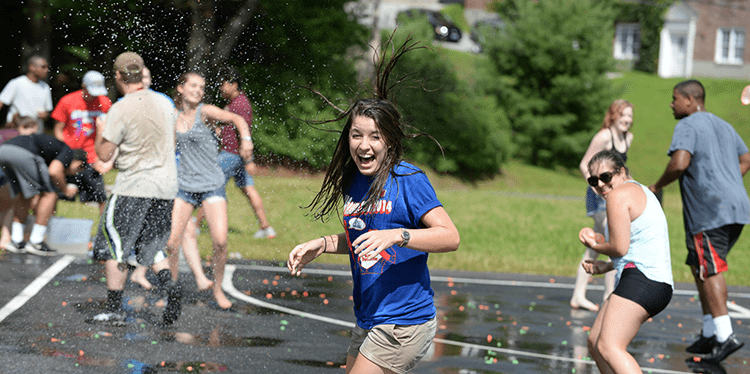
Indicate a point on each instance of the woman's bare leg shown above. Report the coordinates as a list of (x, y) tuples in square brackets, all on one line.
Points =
[(216, 217)]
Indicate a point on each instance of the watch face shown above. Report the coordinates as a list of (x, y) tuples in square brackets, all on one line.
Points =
[(405, 235)]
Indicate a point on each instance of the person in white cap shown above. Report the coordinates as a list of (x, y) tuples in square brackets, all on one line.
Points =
[(75, 124), (29, 95)]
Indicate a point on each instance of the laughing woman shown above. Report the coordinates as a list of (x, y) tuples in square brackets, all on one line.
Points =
[(638, 247), (201, 179), (393, 219)]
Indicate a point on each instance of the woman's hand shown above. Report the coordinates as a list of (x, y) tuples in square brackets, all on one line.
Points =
[(371, 243), (589, 238), (250, 167), (246, 149), (304, 253), (597, 267)]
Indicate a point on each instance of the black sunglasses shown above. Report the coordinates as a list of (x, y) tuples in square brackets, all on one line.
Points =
[(605, 177)]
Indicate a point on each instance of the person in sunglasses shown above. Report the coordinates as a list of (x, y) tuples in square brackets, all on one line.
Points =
[(614, 135), (709, 158), (638, 247)]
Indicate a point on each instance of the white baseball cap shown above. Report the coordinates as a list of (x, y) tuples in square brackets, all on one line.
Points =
[(94, 82)]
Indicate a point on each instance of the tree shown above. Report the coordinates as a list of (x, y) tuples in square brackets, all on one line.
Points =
[(552, 60), (471, 127)]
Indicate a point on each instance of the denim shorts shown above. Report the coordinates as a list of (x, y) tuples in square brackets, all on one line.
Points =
[(233, 166), (197, 198)]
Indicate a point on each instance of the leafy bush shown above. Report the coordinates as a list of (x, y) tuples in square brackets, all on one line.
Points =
[(552, 59)]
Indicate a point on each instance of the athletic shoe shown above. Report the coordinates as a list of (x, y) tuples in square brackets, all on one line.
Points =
[(15, 247), (109, 318), (267, 233), (722, 350), (174, 305), (40, 249), (703, 345)]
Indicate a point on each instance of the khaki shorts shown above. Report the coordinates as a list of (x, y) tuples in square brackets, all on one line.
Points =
[(397, 348)]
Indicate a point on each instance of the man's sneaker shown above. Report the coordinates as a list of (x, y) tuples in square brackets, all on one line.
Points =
[(15, 247), (174, 304), (108, 318), (703, 345), (267, 233), (722, 350), (40, 249)]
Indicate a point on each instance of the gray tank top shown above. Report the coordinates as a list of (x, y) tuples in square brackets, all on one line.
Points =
[(198, 167)]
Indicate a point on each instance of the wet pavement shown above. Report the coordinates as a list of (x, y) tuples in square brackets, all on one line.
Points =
[(488, 323)]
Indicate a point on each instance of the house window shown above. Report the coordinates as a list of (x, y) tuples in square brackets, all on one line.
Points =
[(627, 41), (730, 46)]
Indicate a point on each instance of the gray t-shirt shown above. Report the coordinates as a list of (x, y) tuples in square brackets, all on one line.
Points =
[(198, 169), (712, 191), (142, 126)]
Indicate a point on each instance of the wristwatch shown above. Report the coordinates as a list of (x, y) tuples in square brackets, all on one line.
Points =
[(405, 236), (248, 138)]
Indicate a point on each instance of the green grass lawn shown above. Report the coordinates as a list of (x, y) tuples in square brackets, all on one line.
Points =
[(512, 223)]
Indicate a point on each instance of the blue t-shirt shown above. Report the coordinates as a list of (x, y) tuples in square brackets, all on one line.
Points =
[(395, 288), (712, 191)]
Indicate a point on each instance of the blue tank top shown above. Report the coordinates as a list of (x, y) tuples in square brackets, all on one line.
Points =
[(649, 243)]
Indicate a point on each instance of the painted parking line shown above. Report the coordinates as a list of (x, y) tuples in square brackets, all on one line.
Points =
[(479, 281), (33, 288), (228, 287)]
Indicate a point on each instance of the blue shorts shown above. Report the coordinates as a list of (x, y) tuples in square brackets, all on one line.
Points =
[(594, 202), (197, 198), (233, 166)]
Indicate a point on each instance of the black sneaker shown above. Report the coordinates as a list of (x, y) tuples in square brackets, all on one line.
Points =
[(108, 318), (15, 247), (174, 305), (703, 345), (722, 350), (40, 249)]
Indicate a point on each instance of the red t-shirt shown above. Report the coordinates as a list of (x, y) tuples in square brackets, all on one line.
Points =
[(240, 105), (79, 117)]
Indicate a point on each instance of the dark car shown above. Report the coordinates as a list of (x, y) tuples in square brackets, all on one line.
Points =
[(444, 29), (483, 30)]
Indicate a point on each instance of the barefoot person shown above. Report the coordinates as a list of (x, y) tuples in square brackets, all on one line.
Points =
[(638, 247), (614, 135), (393, 219), (201, 179)]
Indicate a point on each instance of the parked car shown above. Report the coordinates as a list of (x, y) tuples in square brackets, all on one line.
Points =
[(444, 29), (484, 29)]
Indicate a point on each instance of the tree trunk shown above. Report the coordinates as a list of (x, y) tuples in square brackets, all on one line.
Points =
[(207, 50), (38, 39)]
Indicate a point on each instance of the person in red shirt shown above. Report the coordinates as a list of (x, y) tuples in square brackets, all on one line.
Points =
[(75, 124)]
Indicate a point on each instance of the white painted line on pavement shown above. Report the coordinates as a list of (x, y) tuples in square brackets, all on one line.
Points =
[(228, 286), (34, 287)]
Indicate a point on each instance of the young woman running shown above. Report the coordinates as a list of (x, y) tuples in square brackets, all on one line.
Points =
[(393, 219), (201, 179)]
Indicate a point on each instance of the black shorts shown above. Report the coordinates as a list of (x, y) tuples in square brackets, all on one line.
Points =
[(90, 185), (708, 250), (651, 295), (134, 226)]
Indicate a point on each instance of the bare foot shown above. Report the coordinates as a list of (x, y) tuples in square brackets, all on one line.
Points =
[(221, 299), (203, 283), (139, 276), (160, 303), (584, 304)]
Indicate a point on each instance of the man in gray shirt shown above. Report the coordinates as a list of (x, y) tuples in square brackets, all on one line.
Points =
[(709, 158)]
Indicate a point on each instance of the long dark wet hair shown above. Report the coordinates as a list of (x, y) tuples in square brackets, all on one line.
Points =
[(387, 118)]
